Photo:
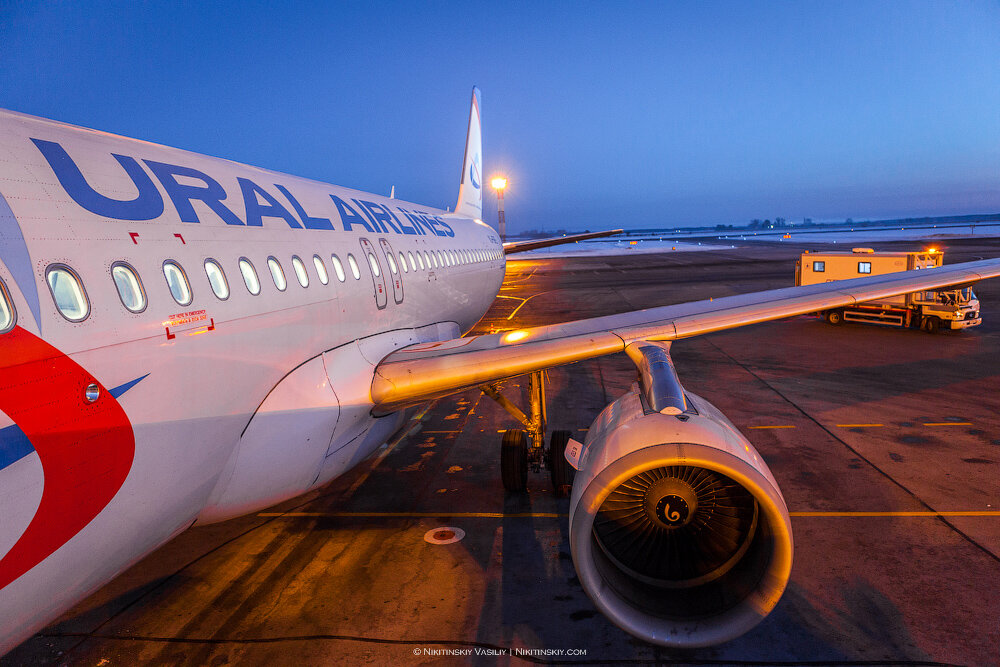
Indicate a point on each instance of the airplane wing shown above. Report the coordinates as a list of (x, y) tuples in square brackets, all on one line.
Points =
[(521, 246), (421, 372)]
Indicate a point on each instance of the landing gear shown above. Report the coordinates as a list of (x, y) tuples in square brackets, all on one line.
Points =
[(522, 449), (514, 460)]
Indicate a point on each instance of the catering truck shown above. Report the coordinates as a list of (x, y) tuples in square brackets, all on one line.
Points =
[(955, 308)]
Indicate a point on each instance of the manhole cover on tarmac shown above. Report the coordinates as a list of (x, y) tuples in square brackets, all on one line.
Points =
[(444, 535)]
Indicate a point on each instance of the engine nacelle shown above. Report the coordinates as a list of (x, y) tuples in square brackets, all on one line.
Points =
[(678, 530)]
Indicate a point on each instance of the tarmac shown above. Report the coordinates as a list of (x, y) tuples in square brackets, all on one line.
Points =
[(885, 442)]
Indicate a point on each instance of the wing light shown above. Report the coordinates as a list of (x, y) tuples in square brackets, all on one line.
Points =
[(515, 336)]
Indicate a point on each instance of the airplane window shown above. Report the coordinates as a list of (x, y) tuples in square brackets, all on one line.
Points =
[(249, 276), (67, 291), (427, 258), (217, 279), (7, 316), (277, 273), (440, 258), (392, 263), (402, 262), (354, 266), (451, 258), (324, 277), (300, 271), (372, 262), (420, 260), (413, 263), (129, 288), (338, 268), (180, 289)]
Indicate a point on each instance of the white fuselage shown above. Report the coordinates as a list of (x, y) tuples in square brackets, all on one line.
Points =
[(243, 401)]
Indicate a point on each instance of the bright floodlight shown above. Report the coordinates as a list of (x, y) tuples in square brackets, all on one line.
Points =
[(499, 183)]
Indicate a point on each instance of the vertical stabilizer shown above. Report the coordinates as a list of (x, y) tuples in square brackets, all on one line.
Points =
[(470, 194)]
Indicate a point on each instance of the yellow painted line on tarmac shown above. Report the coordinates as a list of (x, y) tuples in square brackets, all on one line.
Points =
[(440, 431), (858, 425), (897, 514), (775, 426), (557, 515), (947, 423), (418, 515)]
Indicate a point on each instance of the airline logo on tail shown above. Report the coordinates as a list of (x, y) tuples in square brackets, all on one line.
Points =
[(474, 172)]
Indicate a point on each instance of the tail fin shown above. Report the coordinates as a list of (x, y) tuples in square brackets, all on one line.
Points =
[(470, 193)]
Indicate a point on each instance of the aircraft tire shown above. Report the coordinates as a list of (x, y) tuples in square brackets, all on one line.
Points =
[(560, 469), (514, 460)]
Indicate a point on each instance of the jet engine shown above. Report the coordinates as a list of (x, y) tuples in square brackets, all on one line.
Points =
[(678, 531)]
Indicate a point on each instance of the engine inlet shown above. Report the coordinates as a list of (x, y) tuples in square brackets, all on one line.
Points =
[(676, 526)]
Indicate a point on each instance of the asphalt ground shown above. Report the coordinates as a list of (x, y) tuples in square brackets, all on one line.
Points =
[(885, 442)]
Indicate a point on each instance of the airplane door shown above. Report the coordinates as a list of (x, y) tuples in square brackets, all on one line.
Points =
[(378, 275), (395, 272)]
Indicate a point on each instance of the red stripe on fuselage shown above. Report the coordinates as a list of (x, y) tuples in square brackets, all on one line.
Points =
[(86, 449)]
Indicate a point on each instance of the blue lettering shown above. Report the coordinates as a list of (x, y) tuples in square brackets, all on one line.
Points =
[(181, 195), (418, 223), (256, 212), (440, 221), (309, 222), (148, 204), (378, 226), (348, 216), (380, 215), (404, 228), (429, 221)]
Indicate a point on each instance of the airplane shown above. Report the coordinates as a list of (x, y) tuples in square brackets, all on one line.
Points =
[(185, 339)]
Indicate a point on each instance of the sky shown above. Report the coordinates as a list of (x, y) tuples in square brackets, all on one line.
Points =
[(664, 114)]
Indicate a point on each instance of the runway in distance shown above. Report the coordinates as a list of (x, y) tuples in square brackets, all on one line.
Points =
[(186, 339)]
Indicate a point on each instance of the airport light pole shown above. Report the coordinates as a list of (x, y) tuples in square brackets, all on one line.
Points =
[(499, 183)]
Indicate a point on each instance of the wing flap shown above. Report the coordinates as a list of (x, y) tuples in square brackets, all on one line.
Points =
[(421, 372)]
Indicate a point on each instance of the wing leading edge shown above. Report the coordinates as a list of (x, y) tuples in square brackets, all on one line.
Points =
[(425, 371)]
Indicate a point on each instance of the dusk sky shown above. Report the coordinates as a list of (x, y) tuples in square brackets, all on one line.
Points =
[(602, 115)]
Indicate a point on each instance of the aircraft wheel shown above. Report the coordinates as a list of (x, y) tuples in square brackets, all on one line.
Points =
[(930, 324), (514, 460), (835, 317), (562, 472)]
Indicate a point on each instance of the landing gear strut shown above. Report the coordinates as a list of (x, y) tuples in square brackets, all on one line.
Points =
[(522, 449)]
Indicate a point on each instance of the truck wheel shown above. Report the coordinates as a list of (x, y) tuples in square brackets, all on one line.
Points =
[(514, 460), (930, 324), (835, 317)]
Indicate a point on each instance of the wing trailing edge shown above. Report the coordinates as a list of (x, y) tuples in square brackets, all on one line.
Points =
[(522, 246)]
